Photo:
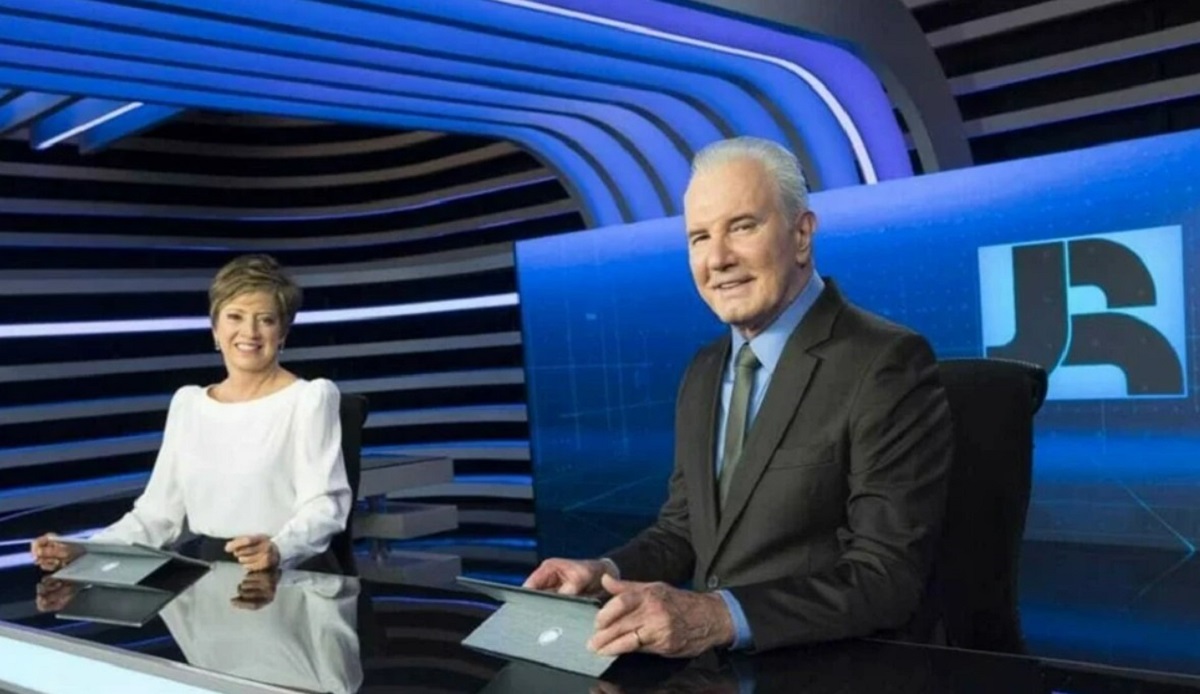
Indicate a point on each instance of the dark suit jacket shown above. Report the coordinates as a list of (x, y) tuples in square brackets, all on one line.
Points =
[(834, 512)]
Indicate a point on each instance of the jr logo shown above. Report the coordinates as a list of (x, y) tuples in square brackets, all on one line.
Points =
[(1103, 314)]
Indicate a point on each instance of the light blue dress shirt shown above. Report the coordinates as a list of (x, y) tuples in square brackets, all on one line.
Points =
[(768, 347)]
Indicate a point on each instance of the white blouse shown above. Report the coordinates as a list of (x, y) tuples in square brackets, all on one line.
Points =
[(269, 466)]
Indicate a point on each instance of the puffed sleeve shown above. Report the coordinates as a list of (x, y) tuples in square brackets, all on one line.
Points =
[(158, 514), (318, 476)]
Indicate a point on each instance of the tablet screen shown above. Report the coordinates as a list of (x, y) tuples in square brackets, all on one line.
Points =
[(502, 591), (116, 548)]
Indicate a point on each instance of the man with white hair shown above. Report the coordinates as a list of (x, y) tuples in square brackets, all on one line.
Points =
[(812, 448)]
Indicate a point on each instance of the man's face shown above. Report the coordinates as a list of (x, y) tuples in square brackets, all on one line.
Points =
[(748, 260)]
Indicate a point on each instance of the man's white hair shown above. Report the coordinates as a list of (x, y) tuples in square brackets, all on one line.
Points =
[(780, 163)]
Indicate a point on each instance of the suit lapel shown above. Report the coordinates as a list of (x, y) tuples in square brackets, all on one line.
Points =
[(699, 414), (788, 387)]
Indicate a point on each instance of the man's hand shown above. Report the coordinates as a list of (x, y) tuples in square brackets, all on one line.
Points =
[(51, 555), (568, 576), (257, 590), (656, 618), (254, 552)]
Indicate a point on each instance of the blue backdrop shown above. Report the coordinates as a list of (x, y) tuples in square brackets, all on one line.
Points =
[(1084, 262)]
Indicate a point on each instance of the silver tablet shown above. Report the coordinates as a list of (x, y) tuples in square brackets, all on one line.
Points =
[(539, 626), (115, 564)]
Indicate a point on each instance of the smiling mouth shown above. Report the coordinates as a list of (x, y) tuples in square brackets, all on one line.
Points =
[(732, 284), (246, 347)]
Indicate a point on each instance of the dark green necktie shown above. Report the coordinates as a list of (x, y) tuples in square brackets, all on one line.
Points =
[(739, 412)]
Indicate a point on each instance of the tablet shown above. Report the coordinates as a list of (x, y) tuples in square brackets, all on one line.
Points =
[(506, 592), (134, 549), (115, 564), (539, 627), (116, 548)]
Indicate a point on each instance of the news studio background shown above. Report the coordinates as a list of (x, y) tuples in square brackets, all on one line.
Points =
[(484, 210)]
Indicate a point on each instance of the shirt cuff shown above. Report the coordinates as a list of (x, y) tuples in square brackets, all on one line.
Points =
[(742, 638), (289, 551)]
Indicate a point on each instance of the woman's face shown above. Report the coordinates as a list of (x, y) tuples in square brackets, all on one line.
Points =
[(249, 332)]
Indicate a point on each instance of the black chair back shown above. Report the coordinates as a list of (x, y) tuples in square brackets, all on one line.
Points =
[(975, 577), (353, 413)]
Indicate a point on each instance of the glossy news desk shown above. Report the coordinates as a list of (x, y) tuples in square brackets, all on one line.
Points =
[(320, 633)]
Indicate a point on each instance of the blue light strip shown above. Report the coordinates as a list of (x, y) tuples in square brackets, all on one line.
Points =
[(77, 445), (75, 119), (345, 315), (516, 480), (66, 486), (12, 561), (26, 541), (104, 134)]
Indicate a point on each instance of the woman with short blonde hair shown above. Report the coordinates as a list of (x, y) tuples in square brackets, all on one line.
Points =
[(254, 462), (256, 273)]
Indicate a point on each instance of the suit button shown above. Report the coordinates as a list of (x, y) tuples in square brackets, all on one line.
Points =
[(713, 583)]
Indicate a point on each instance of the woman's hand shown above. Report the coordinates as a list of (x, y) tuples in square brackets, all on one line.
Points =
[(254, 552), (51, 555), (53, 594), (256, 590)]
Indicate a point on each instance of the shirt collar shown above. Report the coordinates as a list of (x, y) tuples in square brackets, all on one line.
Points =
[(768, 345)]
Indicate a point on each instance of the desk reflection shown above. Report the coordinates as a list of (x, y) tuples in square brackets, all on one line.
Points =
[(837, 668), (312, 631), (296, 629), (705, 675)]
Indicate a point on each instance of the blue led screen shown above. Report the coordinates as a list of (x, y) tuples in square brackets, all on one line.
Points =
[(1084, 262)]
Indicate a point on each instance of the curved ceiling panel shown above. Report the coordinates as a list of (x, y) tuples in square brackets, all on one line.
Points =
[(668, 171), (600, 128), (811, 124), (846, 84), (599, 195), (19, 109), (617, 104), (647, 198)]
